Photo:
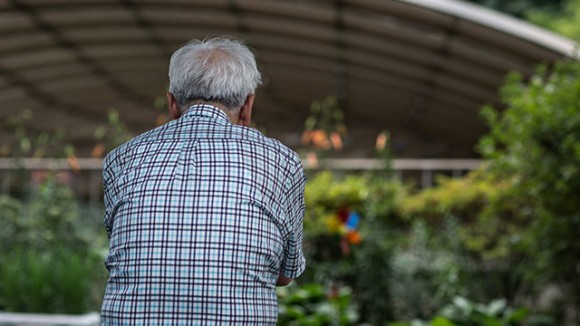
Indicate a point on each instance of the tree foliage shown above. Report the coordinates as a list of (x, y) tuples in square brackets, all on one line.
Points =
[(560, 16), (519, 215), (536, 142), (564, 22), (49, 256), (521, 8), (341, 252)]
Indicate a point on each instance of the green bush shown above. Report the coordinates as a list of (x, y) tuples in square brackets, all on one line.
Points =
[(54, 280), (517, 218), (535, 142), (50, 258), (463, 312), (312, 304), (417, 251), (47, 216), (478, 222), (357, 256)]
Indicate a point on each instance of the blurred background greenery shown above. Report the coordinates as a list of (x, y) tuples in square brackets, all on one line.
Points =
[(495, 247), (498, 246)]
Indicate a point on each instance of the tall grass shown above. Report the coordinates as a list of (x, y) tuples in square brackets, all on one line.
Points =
[(56, 280)]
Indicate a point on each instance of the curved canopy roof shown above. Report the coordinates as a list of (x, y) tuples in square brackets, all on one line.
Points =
[(421, 69)]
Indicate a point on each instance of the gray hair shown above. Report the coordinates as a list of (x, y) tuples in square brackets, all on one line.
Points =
[(218, 70)]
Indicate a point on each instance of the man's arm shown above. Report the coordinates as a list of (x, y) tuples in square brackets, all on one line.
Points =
[(293, 263), (283, 280)]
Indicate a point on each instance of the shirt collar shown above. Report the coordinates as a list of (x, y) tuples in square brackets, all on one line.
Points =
[(206, 110)]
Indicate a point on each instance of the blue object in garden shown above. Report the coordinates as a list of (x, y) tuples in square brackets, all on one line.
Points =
[(352, 221)]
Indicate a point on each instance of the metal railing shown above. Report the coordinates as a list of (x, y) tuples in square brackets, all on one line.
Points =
[(426, 168), (85, 173)]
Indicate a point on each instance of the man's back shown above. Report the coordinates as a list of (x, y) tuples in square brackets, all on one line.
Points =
[(202, 217)]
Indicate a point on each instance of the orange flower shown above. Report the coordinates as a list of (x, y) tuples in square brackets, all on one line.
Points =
[(381, 142), (319, 139), (353, 237), (336, 141), (312, 160), (73, 162), (98, 150), (305, 139)]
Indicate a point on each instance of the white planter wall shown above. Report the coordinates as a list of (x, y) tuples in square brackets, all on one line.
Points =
[(25, 319)]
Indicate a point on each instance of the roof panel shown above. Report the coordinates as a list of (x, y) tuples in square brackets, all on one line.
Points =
[(44, 57), (493, 20), (487, 56), (400, 11), (424, 66), (500, 40), (42, 73), (25, 41), (126, 50), (309, 11), (105, 34), (291, 27), (382, 26), (60, 3), (87, 15), (11, 21), (166, 17)]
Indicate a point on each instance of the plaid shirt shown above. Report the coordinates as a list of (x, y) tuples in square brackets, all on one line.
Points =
[(202, 216)]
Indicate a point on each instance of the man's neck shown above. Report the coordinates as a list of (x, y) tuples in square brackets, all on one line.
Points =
[(230, 113)]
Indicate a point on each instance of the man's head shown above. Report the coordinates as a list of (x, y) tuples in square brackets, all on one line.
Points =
[(218, 71)]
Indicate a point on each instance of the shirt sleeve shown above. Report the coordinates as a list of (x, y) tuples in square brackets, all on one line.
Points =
[(294, 262), (109, 194)]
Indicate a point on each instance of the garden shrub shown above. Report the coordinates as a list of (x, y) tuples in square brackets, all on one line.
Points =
[(54, 280), (412, 258), (535, 141), (463, 312), (50, 259), (517, 217), (349, 233), (484, 222), (492, 216), (314, 304)]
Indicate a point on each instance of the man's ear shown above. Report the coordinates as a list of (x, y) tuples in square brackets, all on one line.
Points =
[(245, 114), (173, 107)]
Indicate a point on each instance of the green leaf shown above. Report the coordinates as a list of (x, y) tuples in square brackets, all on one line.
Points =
[(441, 321)]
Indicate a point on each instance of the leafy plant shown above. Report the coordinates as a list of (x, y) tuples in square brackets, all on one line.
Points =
[(477, 224), (48, 216), (363, 265), (563, 21), (324, 127), (27, 143), (491, 213), (49, 260), (55, 280), (314, 305), (34, 144), (111, 134), (535, 142), (463, 312)]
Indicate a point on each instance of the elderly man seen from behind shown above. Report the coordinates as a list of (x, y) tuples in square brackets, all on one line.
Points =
[(204, 214)]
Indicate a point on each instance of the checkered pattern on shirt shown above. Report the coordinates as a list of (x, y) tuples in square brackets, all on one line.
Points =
[(202, 215)]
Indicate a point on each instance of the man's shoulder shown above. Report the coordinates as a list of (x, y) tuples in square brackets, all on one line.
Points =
[(277, 147), (126, 150)]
